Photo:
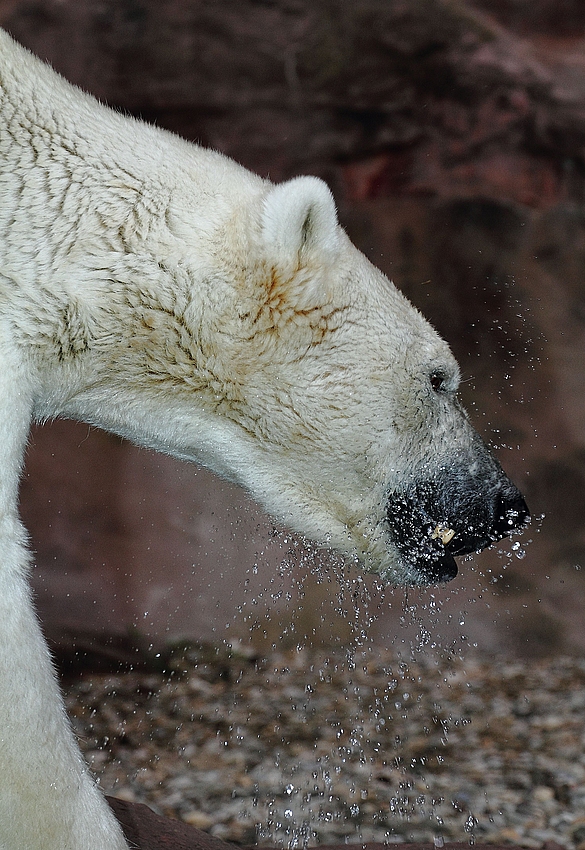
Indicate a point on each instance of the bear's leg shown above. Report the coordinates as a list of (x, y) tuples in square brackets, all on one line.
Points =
[(48, 800)]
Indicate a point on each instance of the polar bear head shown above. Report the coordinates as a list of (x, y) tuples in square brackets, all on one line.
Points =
[(350, 429)]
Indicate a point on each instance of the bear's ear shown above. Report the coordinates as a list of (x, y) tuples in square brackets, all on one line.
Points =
[(299, 224)]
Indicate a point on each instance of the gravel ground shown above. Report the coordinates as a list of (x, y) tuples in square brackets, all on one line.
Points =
[(315, 746)]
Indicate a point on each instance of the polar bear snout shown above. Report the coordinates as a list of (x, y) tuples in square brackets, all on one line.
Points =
[(510, 513), (433, 522)]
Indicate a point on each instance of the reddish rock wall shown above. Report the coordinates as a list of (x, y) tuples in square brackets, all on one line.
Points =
[(454, 142)]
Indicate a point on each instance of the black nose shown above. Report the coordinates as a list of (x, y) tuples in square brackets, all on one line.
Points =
[(511, 514)]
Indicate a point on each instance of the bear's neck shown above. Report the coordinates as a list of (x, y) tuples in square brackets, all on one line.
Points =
[(110, 234)]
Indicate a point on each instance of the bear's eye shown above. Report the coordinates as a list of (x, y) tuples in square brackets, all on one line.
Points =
[(437, 380)]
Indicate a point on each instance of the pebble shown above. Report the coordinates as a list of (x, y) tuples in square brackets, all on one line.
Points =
[(311, 746)]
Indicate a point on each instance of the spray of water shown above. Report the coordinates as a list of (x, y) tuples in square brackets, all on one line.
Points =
[(305, 794)]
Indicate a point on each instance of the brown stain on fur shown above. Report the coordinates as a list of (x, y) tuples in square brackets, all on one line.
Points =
[(72, 335), (225, 356), (283, 315)]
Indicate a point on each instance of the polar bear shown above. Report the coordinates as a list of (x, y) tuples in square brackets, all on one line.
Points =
[(161, 291)]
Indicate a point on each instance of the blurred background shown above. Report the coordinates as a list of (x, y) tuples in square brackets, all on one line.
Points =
[(453, 137)]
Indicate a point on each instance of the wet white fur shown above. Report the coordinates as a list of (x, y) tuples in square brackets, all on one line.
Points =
[(162, 292)]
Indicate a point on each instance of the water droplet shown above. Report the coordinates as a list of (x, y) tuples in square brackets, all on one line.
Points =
[(469, 826)]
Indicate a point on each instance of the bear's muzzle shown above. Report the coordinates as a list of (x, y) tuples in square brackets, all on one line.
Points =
[(433, 522)]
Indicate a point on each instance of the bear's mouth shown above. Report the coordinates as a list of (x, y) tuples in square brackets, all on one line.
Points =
[(429, 542)]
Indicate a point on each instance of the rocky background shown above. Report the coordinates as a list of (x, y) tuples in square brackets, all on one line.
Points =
[(453, 137)]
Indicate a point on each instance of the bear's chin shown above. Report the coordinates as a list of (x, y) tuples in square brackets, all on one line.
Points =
[(423, 572), (439, 571)]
